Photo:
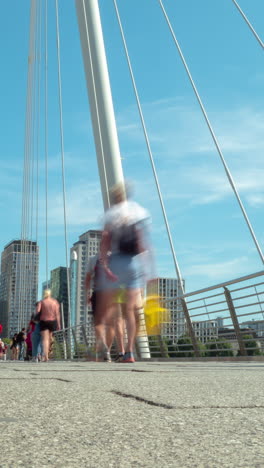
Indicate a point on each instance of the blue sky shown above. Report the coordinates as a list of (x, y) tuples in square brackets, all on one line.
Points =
[(211, 239)]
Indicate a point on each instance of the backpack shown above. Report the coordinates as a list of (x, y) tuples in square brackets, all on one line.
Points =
[(20, 337), (128, 239)]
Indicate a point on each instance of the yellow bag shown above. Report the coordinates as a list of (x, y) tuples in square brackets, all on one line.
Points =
[(155, 315)]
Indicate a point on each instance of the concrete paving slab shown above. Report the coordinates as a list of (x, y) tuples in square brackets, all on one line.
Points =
[(84, 414)]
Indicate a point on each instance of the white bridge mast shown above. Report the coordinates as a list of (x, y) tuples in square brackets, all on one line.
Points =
[(102, 112), (100, 97)]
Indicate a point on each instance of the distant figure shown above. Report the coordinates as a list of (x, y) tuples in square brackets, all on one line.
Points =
[(3, 350), (14, 348), (125, 235), (49, 309), (30, 330), (36, 337), (21, 341)]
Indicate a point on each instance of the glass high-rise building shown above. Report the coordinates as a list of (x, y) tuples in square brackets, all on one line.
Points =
[(59, 290), (86, 247), (18, 284)]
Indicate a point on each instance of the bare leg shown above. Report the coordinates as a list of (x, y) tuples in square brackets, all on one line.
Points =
[(109, 335), (45, 334), (131, 323), (102, 317), (119, 327)]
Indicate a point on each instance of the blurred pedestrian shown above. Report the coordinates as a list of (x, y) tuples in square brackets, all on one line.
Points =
[(36, 337), (3, 349), (21, 341), (49, 309), (125, 235), (30, 330), (104, 331), (14, 347)]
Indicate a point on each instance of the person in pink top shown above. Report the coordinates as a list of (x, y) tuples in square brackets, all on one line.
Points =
[(49, 309)]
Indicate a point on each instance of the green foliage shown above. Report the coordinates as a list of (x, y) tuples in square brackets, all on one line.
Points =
[(185, 347), (218, 347), (250, 343), (7, 340), (81, 350), (158, 346), (58, 350), (172, 348)]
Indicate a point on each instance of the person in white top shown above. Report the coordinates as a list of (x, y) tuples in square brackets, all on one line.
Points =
[(125, 235)]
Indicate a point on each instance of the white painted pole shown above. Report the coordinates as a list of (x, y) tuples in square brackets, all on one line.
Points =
[(101, 105), (100, 97)]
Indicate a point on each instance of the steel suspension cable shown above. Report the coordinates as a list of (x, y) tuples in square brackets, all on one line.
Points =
[(261, 43), (177, 268), (227, 171), (31, 267), (46, 135), (38, 120), (28, 271), (26, 176), (62, 157)]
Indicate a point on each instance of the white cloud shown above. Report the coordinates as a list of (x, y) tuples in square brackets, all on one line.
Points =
[(83, 206), (217, 271), (183, 150)]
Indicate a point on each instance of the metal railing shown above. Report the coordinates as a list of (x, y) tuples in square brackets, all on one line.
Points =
[(224, 320)]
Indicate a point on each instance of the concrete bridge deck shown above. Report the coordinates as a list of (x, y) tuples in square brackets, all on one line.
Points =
[(81, 414)]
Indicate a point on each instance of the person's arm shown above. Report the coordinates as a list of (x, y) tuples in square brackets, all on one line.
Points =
[(105, 247), (58, 318), (88, 278)]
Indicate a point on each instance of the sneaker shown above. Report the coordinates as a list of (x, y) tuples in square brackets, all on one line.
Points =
[(107, 357), (128, 357), (119, 357)]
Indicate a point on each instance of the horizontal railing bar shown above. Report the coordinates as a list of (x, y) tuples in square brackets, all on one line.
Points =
[(240, 298), (249, 305), (204, 313), (206, 305), (222, 285), (248, 313), (246, 287), (204, 298)]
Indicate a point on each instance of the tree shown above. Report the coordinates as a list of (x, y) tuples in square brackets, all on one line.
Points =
[(158, 346), (250, 343), (218, 347), (7, 340), (172, 348), (185, 347)]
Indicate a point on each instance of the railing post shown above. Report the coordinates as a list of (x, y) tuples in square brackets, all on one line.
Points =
[(63, 333), (84, 336), (142, 342), (196, 349), (75, 343), (163, 350), (236, 326)]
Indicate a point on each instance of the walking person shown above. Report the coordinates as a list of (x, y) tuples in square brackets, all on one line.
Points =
[(36, 338), (14, 348), (30, 330), (130, 263), (3, 350), (21, 341), (49, 309), (104, 331)]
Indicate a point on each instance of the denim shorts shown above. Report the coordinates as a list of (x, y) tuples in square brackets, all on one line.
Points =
[(127, 268)]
